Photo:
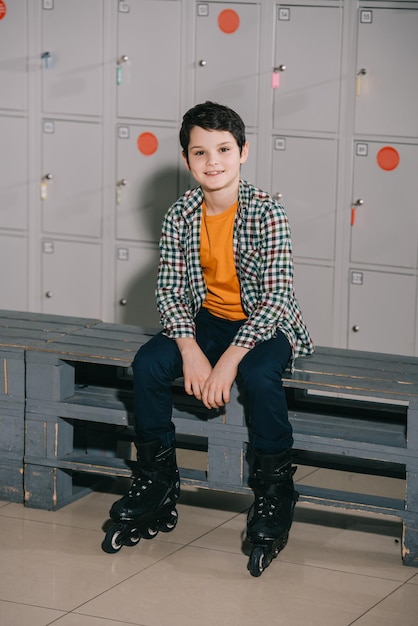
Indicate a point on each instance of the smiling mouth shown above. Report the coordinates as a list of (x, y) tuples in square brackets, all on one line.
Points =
[(214, 173)]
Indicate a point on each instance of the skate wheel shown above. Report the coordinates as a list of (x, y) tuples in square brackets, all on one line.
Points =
[(133, 538), (256, 562), (169, 524), (112, 543), (149, 533)]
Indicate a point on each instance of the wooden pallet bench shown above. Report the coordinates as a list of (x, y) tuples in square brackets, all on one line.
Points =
[(350, 410)]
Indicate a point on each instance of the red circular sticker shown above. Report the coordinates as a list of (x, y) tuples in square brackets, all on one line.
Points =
[(3, 9), (147, 143), (388, 158), (228, 21)]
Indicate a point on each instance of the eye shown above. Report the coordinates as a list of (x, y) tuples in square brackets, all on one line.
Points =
[(198, 153), (224, 149)]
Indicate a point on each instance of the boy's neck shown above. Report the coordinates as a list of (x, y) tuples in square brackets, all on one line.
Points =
[(220, 200)]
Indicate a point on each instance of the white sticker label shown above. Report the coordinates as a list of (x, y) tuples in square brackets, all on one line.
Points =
[(280, 143), (49, 127), (362, 149), (284, 14), (123, 254), (356, 278), (48, 247), (366, 17), (124, 7), (48, 5), (123, 132), (203, 9)]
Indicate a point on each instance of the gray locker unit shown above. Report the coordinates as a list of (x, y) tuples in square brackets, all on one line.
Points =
[(387, 83), (72, 57), (227, 66), (147, 179), (136, 276), (14, 56), (385, 217), (382, 314), (14, 272), (71, 278), (13, 173), (307, 70), (147, 69), (71, 178), (314, 287), (304, 179)]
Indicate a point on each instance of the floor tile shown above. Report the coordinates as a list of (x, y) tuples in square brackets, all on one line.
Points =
[(73, 619), (203, 587), (400, 608), (12, 614), (59, 567)]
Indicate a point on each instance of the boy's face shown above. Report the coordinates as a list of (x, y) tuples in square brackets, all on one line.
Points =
[(214, 158)]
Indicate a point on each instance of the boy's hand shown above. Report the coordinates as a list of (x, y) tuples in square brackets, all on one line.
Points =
[(196, 367), (217, 388)]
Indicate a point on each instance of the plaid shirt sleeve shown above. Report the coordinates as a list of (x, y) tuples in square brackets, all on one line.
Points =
[(263, 256)]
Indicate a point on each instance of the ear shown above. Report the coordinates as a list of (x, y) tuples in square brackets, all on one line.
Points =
[(244, 152), (186, 160)]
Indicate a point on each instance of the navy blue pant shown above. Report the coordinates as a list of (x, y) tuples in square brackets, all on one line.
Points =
[(158, 363)]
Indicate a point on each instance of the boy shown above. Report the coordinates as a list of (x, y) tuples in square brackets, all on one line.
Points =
[(228, 311)]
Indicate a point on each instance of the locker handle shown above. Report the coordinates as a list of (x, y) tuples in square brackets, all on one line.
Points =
[(278, 196), (46, 57), (123, 302), (280, 68), (359, 75), (49, 294), (202, 63), (355, 328), (354, 207)]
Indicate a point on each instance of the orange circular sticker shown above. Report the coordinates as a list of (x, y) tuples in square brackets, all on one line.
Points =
[(388, 158), (228, 21), (147, 143), (3, 9)]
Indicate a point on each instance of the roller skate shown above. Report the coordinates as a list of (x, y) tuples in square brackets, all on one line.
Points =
[(271, 515), (150, 504)]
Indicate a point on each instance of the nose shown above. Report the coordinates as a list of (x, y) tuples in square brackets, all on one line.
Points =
[(212, 158)]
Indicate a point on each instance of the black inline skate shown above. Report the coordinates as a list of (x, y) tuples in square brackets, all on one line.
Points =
[(271, 515), (150, 504)]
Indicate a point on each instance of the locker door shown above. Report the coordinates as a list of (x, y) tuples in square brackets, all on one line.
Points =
[(136, 277), (227, 56), (308, 68), (13, 55), (304, 176), (249, 168), (72, 56), (314, 291), (71, 278), (14, 273), (13, 173), (147, 69), (385, 229), (387, 94), (147, 180), (71, 178), (382, 312)]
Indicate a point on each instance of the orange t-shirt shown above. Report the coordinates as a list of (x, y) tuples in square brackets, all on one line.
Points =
[(223, 297)]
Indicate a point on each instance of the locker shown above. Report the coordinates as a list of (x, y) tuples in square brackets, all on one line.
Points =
[(71, 278), (385, 217), (148, 165), (249, 168), (147, 68), (227, 56), (13, 55), (304, 177), (14, 173), (314, 291), (14, 273), (71, 178), (307, 70), (387, 83), (136, 275), (72, 57), (382, 310)]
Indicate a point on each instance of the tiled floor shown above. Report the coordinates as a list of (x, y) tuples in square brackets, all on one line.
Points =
[(339, 568)]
